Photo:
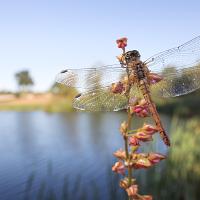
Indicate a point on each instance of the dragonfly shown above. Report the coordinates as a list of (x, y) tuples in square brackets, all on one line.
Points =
[(178, 67)]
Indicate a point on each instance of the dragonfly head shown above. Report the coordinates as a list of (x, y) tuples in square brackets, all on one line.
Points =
[(131, 56)]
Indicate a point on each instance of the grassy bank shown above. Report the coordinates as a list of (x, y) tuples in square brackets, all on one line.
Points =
[(30, 102), (187, 105)]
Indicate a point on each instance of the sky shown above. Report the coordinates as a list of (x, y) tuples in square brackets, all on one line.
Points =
[(46, 37)]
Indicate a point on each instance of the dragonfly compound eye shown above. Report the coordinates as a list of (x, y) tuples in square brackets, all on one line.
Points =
[(132, 55), (135, 53)]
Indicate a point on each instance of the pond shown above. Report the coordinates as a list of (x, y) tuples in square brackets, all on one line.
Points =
[(69, 156)]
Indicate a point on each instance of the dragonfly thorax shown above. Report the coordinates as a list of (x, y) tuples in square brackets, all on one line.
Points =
[(133, 62), (139, 70)]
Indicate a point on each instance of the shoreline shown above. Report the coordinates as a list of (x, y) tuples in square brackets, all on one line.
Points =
[(49, 102), (33, 102)]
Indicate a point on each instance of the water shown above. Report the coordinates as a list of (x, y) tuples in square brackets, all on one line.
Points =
[(69, 156)]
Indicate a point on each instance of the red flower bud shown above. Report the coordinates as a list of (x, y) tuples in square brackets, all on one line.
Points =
[(123, 128), (143, 137), (133, 141), (154, 78), (142, 163), (124, 183), (149, 129), (132, 190), (155, 158), (136, 109), (147, 197), (121, 59), (143, 113), (117, 88), (122, 42), (141, 109), (119, 168), (120, 154)]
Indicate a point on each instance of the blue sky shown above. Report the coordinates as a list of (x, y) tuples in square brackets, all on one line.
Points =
[(48, 36)]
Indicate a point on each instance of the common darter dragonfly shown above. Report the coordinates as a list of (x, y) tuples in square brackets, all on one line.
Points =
[(170, 73)]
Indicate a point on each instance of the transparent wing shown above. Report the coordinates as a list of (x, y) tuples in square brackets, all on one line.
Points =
[(184, 56), (178, 83), (179, 67), (87, 79), (101, 99), (95, 87)]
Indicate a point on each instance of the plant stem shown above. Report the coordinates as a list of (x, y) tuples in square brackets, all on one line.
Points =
[(131, 132), (129, 118), (129, 127), (127, 151)]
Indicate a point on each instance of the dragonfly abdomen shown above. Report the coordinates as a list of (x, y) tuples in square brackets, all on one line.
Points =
[(144, 87)]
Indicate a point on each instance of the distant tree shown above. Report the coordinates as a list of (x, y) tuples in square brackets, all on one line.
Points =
[(169, 70), (60, 89), (24, 80), (93, 80)]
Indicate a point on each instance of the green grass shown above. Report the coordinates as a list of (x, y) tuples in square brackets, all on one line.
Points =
[(57, 104), (185, 151), (21, 107), (186, 105)]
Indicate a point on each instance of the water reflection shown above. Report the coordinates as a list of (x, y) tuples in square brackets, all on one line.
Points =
[(69, 156)]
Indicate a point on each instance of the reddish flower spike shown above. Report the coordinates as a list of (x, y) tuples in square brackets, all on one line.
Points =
[(120, 154), (123, 128), (143, 113), (122, 42), (147, 197), (119, 168), (155, 158), (124, 183), (132, 190), (142, 136), (149, 129), (141, 109), (133, 141), (155, 78), (117, 88), (142, 163)]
